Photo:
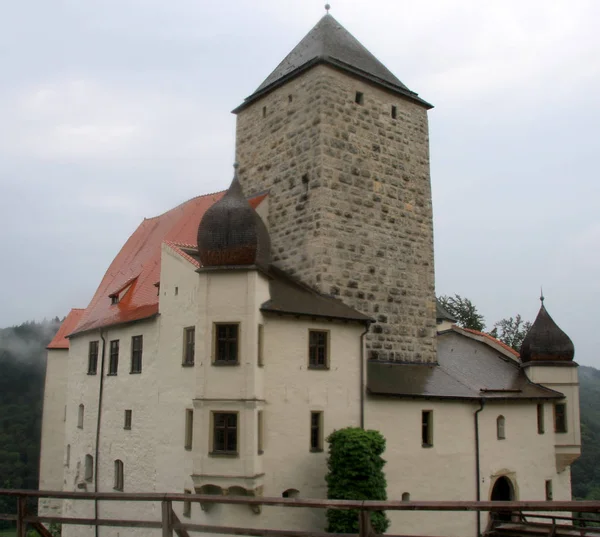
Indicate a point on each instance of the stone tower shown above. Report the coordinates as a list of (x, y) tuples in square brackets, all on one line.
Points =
[(342, 146)]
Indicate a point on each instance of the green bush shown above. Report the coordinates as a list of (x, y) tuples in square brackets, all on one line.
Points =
[(355, 473)]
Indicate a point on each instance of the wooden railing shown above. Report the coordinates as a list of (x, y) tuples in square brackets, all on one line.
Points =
[(171, 525)]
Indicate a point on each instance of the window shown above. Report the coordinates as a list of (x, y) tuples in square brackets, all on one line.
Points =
[(260, 337), (176, 290), (560, 417), (427, 428), (540, 419), (118, 484), (316, 431), (291, 493), (114, 299), (189, 343), (359, 98), (290, 98), (264, 111), (226, 344), (225, 432), (394, 112), (406, 496), (500, 428), (127, 422), (548, 490), (318, 343), (187, 505), (260, 432), (189, 428), (68, 456), (136, 354), (89, 468), (113, 359), (93, 358), (80, 416)]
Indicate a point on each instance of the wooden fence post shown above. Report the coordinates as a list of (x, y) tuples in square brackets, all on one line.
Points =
[(364, 524), (21, 514), (167, 519)]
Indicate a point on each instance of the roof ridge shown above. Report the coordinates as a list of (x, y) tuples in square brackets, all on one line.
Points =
[(183, 203)]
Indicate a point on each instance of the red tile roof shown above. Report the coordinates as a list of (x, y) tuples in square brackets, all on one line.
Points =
[(60, 341), (494, 340), (138, 263)]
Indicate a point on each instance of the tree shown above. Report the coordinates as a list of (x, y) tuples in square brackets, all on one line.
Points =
[(355, 473), (464, 311), (511, 331)]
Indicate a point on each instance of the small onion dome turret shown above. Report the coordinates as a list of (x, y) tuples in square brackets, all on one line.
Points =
[(546, 342), (231, 233)]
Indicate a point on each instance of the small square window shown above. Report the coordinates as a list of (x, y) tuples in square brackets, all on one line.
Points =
[(318, 349), (225, 433), (136, 354), (427, 428), (560, 418), (93, 358), (113, 360), (316, 431), (189, 428), (189, 344), (359, 97), (226, 344), (127, 423)]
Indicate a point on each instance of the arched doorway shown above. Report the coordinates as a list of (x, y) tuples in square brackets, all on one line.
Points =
[(502, 491)]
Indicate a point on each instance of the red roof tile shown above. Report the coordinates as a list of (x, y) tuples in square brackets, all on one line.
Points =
[(138, 263), (60, 341), (493, 339)]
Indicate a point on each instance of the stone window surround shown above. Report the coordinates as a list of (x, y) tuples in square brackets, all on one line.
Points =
[(136, 354), (427, 428), (216, 453), (317, 419), (220, 362), (93, 357), (312, 358), (119, 475), (501, 427), (189, 346), (113, 358)]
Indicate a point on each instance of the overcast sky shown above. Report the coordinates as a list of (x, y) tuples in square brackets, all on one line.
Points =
[(116, 110)]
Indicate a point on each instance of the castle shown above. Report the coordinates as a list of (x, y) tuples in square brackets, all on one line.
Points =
[(233, 333)]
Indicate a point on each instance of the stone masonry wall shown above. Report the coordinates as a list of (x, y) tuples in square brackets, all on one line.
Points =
[(350, 200)]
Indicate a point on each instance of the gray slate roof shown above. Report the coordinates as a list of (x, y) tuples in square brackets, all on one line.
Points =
[(289, 296), (329, 42), (441, 314), (466, 369)]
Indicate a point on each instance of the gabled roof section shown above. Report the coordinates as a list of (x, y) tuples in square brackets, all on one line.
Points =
[(329, 42), (488, 340), (290, 296), (59, 341), (138, 265)]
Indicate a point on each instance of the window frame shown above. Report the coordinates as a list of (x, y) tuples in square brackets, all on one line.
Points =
[(316, 431), (501, 427), (216, 359), (119, 475), (89, 468), (189, 346), (80, 415), (560, 427), (260, 432), (541, 418), (260, 343), (188, 441), (113, 358), (427, 428), (136, 354), (128, 418), (93, 357), (314, 363), (214, 451)]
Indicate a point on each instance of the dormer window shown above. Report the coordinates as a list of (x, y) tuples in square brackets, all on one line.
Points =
[(114, 299)]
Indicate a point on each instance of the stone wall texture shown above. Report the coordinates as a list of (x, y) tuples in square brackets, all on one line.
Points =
[(350, 200)]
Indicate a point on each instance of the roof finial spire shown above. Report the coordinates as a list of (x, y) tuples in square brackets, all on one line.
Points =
[(327, 8), (541, 295)]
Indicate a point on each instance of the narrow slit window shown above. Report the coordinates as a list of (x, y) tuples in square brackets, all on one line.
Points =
[(187, 505), (189, 345), (127, 422), (264, 111), (290, 98), (118, 478), (394, 112), (80, 413), (136, 354), (189, 428), (500, 428), (89, 468), (113, 360), (548, 490), (68, 456), (316, 431), (93, 358), (427, 428), (540, 419), (260, 425), (560, 418), (359, 97), (260, 342)]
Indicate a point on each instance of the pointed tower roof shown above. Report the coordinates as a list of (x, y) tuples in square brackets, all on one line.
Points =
[(329, 42), (546, 342)]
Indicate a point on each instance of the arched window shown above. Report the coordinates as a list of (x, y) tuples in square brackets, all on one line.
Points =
[(406, 496), (80, 417), (89, 468), (500, 428), (118, 485), (291, 493)]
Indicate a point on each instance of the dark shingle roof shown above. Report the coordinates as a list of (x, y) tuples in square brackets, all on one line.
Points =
[(329, 42), (441, 314), (466, 369), (546, 342), (290, 296)]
